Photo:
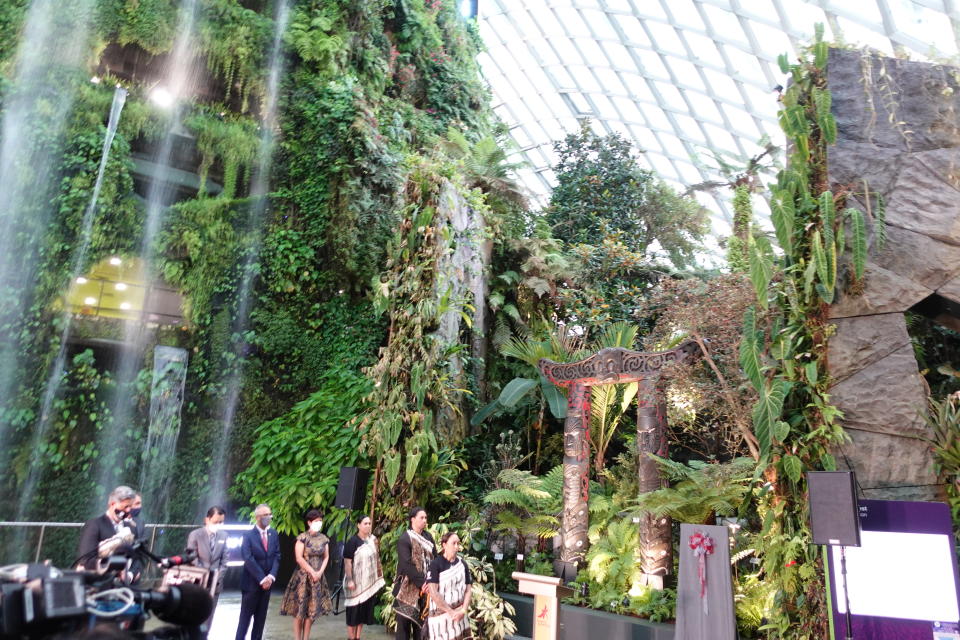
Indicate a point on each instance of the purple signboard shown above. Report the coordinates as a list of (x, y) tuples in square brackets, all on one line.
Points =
[(902, 580)]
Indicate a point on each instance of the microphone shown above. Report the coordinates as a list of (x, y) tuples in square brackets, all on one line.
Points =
[(184, 604), (175, 561)]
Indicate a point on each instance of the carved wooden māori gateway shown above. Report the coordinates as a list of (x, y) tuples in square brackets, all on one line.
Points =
[(615, 366)]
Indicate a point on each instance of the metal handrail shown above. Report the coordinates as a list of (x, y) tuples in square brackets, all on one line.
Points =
[(76, 525)]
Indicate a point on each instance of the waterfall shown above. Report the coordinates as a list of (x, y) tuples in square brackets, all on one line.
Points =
[(179, 82), (220, 471), (49, 58), (59, 366), (166, 400)]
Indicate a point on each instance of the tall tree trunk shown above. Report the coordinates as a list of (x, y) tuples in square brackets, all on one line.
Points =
[(656, 557)]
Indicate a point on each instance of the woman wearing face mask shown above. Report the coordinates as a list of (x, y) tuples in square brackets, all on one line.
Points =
[(208, 545), (362, 577), (307, 596)]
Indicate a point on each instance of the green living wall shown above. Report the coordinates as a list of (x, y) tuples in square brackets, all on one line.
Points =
[(370, 94)]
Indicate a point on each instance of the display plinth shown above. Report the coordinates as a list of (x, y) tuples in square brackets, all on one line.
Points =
[(546, 592)]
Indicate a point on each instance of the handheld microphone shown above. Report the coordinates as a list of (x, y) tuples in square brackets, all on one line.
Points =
[(175, 561)]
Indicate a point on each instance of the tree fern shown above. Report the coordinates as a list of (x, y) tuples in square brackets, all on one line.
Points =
[(611, 559), (529, 505), (700, 490)]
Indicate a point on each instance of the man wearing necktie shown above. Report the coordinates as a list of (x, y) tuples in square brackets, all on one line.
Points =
[(209, 545), (260, 550)]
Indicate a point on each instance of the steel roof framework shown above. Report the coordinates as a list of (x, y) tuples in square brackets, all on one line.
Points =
[(687, 81)]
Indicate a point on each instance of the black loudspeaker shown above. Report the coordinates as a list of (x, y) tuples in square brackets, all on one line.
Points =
[(352, 488), (834, 515)]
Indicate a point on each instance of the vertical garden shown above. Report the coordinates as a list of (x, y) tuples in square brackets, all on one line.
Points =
[(293, 155)]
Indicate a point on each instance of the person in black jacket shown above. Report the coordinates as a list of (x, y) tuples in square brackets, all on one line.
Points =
[(415, 550), (113, 526)]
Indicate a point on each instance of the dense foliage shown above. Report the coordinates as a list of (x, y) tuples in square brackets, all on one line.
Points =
[(601, 190), (367, 85), (783, 352)]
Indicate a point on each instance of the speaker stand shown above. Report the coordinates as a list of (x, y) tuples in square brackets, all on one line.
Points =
[(337, 592), (846, 594)]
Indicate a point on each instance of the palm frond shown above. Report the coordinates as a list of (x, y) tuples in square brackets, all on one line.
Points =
[(618, 334), (528, 351)]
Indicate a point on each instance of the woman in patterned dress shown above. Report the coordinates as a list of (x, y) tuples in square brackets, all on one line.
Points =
[(449, 583), (307, 596)]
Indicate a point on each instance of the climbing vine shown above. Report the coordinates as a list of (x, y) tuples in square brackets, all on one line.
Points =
[(412, 381), (784, 344)]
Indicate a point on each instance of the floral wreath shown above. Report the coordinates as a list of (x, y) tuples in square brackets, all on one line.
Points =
[(702, 546)]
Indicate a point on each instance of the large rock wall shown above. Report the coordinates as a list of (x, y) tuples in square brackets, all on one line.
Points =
[(898, 136)]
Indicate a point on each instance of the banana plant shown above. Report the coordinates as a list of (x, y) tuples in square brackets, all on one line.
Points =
[(560, 348), (609, 402)]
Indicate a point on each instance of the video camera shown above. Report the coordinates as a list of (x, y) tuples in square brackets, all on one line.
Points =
[(38, 601)]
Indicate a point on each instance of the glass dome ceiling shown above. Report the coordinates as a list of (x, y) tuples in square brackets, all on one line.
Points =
[(691, 82)]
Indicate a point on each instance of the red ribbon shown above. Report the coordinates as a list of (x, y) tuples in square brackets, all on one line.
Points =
[(702, 546)]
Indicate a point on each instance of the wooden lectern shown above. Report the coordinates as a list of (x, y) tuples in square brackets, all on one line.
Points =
[(546, 592)]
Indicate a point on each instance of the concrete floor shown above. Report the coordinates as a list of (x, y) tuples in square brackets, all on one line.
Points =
[(281, 627)]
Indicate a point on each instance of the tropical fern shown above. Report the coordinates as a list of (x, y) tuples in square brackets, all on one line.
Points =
[(859, 233), (486, 166), (753, 601), (699, 491), (612, 564), (318, 38), (880, 222), (528, 504), (612, 551)]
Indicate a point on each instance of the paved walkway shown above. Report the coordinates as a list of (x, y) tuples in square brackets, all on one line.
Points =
[(281, 627)]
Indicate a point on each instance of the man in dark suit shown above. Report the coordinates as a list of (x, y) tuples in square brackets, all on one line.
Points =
[(260, 550), (209, 545), (100, 536)]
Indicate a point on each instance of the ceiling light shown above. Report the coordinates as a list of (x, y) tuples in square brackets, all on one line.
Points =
[(120, 286), (115, 261), (161, 97), (125, 306), (81, 280), (89, 301)]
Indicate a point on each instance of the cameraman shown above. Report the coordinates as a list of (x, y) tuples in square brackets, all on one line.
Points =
[(113, 524)]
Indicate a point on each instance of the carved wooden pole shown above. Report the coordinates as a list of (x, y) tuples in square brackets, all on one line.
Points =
[(576, 475), (656, 557), (611, 366)]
